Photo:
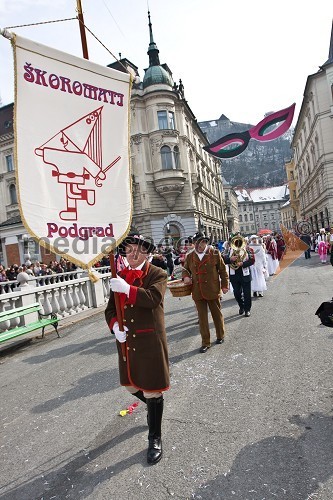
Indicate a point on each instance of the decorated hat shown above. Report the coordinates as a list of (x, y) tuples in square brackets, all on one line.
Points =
[(136, 239), (199, 237)]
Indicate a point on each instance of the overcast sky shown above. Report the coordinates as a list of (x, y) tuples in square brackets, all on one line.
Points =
[(241, 58)]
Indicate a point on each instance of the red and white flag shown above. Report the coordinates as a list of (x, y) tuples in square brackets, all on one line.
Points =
[(72, 151)]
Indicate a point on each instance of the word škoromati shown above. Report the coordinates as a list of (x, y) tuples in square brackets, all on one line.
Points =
[(65, 84), (75, 231)]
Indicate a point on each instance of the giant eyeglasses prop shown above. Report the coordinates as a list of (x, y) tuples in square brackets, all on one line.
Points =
[(234, 144)]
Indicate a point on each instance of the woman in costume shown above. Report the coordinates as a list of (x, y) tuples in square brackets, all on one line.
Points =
[(259, 268), (272, 256), (322, 246)]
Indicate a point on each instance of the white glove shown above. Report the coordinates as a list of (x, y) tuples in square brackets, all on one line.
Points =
[(120, 336), (119, 285)]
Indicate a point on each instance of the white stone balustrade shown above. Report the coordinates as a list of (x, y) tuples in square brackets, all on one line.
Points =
[(66, 296)]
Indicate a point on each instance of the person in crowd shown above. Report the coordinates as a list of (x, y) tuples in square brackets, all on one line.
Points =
[(142, 344), (11, 272), (259, 268), (37, 269), (3, 279), (280, 246), (240, 276), (322, 246), (204, 268), (272, 255), (330, 240), (307, 239), (159, 260), (169, 261)]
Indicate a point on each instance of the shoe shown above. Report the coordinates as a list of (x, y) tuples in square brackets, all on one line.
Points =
[(247, 314), (219, 341), (261, 294), (255, 294), (241, 310), (203, 349)]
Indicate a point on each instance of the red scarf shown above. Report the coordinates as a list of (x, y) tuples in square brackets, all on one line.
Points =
[(129, 275)]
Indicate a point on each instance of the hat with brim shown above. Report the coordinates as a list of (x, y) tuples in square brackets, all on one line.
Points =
[(200, 237), (136, 239)]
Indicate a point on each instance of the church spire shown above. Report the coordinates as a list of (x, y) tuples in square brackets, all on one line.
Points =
[(330, 54), (153, 51)]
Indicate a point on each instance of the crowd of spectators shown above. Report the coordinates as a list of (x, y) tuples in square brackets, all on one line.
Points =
[(39, 269)]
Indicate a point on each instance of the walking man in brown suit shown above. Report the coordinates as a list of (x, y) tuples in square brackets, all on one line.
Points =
[(145, 371), (205, 269)]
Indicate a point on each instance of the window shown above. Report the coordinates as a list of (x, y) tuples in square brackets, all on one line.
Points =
[(171, 120), (226, 195), (12, 194), (166, 158), (245, 218), (240, 218), (251, 216), (162, 120), (9, 163), (166, 120), (176, 156), (272, 216)]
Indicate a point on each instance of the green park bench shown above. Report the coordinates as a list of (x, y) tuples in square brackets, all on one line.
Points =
[(43, 321)]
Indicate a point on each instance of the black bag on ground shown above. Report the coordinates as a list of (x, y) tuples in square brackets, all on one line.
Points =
[(325, 313)]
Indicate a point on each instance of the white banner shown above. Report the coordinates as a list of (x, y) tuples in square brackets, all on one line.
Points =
[(71, 151)]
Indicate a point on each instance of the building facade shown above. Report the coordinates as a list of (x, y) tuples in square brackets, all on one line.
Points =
[(177, 186), (287, 215), (294, 207), (313, 147), (231, 207), (260, 208)]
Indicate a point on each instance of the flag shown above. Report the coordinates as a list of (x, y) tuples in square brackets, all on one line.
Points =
[(71, 151)]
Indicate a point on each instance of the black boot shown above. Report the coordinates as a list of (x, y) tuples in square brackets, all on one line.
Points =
[(155, 412), (139, 395)]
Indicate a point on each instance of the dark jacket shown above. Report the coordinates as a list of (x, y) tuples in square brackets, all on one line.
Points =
[(239, 276), (147, 365)]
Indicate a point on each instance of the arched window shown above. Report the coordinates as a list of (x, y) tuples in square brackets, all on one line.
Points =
[(166, 158), (12, 194), (176, 156), (240, 217)]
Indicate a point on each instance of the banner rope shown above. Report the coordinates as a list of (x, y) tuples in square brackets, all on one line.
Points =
[(3, 32), (109, 51), (42, 22)]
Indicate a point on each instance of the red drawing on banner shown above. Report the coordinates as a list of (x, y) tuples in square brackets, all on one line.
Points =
[(76, 154)]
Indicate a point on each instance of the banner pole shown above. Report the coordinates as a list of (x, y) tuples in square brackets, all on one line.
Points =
[(117, 303), (111, 255), (82, 30)]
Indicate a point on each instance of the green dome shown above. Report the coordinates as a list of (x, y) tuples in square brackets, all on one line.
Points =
[(156, 75)]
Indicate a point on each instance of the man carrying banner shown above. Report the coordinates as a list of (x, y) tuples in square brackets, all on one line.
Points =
[(145, 372)]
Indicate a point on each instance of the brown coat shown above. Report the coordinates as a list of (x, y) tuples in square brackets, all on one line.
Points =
[(147, 365), (208, 275)]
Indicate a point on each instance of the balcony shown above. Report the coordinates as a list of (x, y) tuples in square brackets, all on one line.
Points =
[(12, 210), (169, 184)]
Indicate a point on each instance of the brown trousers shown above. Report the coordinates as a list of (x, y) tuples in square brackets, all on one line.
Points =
[(215, 309)]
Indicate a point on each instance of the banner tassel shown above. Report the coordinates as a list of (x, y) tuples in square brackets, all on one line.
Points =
[(92, 276)]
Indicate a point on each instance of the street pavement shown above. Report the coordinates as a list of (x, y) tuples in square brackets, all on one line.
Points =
[(251, 419)]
